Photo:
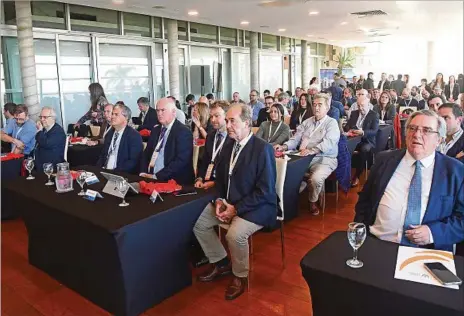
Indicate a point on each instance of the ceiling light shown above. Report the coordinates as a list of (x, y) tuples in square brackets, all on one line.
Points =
[(344, 23), (313, 12), (282, 30), (310, 35), (332, 40), (244, 23), (192, 13), (118, 1)]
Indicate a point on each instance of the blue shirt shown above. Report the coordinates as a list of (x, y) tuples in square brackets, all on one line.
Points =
[(339, 106), (159, 163), (337, 92), (255, 108), (25, 133), (9, 124), (334, 113)]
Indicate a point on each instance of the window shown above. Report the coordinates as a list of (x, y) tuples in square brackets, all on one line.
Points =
[(157, 25), (269, 42), (270, 73), (228, 36), (9, 12), (203, 33), (313, 48), (136, 24), (321, 49), (159, 68), (48, 14), (285, 44), (247, 39), (240, 38), (11, 71), (203, 70), (88, 19), (241, 74)]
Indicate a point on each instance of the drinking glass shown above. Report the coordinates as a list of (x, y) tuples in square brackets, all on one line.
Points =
[(123, 187), (81, 176), (29, 166), (48, 170), (356, 236)]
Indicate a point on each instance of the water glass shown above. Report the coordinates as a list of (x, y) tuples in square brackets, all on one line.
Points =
[(123, 187), (48, 170), (356, 236), (81, 176), (30, 166)]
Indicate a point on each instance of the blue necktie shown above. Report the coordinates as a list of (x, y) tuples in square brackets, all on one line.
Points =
[(413, 210)]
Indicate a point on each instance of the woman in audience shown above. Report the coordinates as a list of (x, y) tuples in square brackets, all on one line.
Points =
[(438, 82), (302, 112), (406, 81), (275, 131), (98, 102), (385, 109), (314, 80), (452, 90), (200, 116)]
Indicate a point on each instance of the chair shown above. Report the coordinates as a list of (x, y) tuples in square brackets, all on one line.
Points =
[(66, 145), (254, 130), (287, 120), (196, 152), (95, 130)]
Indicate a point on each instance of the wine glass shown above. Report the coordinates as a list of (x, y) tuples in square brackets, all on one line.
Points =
[(123, 187), (29, 166), (81, 176), (48, 170), (356, 236)]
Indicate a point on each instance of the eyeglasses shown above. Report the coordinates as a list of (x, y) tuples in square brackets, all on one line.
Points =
[(43, 117), (424, 130)]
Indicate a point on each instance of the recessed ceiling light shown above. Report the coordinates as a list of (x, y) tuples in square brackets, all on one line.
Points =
[(344, 23), (192, 13), (282, 30), (244, 23), (310, 35), (313, 12), (332, 40), (118, 1)]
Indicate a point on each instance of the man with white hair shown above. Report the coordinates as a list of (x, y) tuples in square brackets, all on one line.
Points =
[(415, 196), (361, 95), (50, 139), (169, 150)]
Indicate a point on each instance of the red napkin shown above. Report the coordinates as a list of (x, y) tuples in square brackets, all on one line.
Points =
[(201, 142), (404, 115), (11, 156), (74, 174), (145, 133), (76, 139), (160, 187), (350, 134), (279, 154)]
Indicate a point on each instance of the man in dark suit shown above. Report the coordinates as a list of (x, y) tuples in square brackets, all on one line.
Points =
[(365, 123), (50, 139), (245, 181), (123, 145), (169, 151), (423, 105), (453, 145), (398, 85), (147, 117), (216, 140), (369, 83), (384, 84), (263, 114), (407, 100), (415, 196)]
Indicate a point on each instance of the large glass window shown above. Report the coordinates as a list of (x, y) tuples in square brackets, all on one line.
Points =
[(9, 12), (240, 38), (183, 88), (136, 24), (203, 33), (228, 36), (203, 70), (285, 44), (124, 73), (181, 28), (76, 78), (157, 27), (11, 71), (226, 75), (48, 14), (313, 48), (159, 71), (247, 39), (321, 49), (241, 74), (298, 79), (269, 41), (87, 19), (270, 72)]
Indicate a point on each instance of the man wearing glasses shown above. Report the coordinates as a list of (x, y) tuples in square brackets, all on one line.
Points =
[(361, 95), (415, 196), (22, 131), (255, 105)]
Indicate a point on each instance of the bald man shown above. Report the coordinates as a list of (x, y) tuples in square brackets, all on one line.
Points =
[(169, 151)]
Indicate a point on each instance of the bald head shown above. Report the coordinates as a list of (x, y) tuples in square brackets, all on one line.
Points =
[(361, 95), (166, 111), (203, 99)]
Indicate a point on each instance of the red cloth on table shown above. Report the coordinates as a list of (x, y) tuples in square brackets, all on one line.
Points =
[(145, 133), (76, 139), (160, 187), (397, 129), (11, 156), (200, 142)]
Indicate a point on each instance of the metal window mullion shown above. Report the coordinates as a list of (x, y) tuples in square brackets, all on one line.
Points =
[(153, 73), (60, 79), (162, 28), (237, 37), (218, 37), (165, 69), (95, 59), (243, 38), (187, 31), (121, 23), (187, 54), (67, 16), (152, 26)]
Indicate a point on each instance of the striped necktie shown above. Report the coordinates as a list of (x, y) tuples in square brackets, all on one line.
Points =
[(413, 211)]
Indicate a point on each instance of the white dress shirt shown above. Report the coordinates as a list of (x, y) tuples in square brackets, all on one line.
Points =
[(447, 146), (392, 208), (113, 158)]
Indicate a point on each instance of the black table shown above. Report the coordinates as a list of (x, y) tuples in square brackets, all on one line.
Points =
[(80, 155), (124, 259), (296, 169), (381, 140), (337, 289), (11, 169)]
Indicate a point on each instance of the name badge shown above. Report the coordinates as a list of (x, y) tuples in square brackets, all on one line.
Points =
[(209, 171), (91, 195), (91, 180), (153, 160)]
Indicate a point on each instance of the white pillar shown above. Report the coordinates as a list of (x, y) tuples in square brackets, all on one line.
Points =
[(27, 57), (173, 58), (254, 61), (430, 60), (304, 65)]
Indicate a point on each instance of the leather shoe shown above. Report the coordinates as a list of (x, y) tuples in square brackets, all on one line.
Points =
[(215, 272), (236, 288)]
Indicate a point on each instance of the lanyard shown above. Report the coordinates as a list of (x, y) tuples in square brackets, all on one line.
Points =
[(361, 121), (316, 129), (270, 126), (301, 116), (233, 161), (407, 104), (19, 130), (106, 130), (216, 151), (160, 141)]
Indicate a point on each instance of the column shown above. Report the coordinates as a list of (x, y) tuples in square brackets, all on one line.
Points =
[(430, 60), (173, 58), (254, 61), (304, 65), (27, 57)]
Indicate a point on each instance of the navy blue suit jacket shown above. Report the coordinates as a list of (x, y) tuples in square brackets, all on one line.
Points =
[(50, 146), (178, 152), (457, 148), (339, 106), (252, 185), (151, 119), (208, 153), (129, 152), (444, 214), (370, 126)]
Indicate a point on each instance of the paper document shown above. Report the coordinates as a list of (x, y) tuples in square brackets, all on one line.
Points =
[(410, 265)]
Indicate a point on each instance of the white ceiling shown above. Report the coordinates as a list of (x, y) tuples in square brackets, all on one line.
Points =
[(428, 20)]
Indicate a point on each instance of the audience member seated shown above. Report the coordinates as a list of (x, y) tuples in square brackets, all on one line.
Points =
[(190, 101), (284, 99), (423, 103), (263, 115), (255, 105), (415, 93), (210, 98), (50, 139), (338, 105), (275, 131), (123, 145), (453, 145), (302, 112), (216, 141), (8, 112), (347, 99), (200, 122), (375, 97), (394, 98), (236, 99), (415, 196), (180, 115), (319, 136), (384, 109), (435, 101), (104, 128), (369, 83), (361, 95), (363, 122), (407, 100), (169, 151), (22, 132), (147, 118), (245, 182)]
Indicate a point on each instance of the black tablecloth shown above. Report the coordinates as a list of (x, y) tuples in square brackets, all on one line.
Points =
[(124, 259), (11, 169), (80, 155), (337, 289), (296, 169), (381, 140)]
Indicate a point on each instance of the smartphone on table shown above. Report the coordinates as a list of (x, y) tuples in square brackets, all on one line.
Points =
[(442, 273), (185, 191)]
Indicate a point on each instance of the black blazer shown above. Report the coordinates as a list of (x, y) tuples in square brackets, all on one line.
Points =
[(413, 102), (252, 184), (151, 119), (422, 104), (386, 85), (390, 113), (454, 93), (263, 116), (398, 86), (49, 146), (370, 126), (208, 153), (368, 84), (129, 152), (295, 118), (178, 152), (457, 148)]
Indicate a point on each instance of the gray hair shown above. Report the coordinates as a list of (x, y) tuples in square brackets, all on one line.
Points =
[(52, 110), (323, 96), (125, 111), (246, 115), (282, 96), (441, 124)]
